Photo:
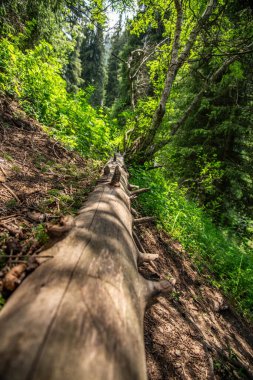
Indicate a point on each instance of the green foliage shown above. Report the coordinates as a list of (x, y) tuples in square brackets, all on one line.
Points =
[(40, 233), (92, 62), (2, 301), (73, 69), (34, 77), (231, 263), (40, 15), (112, 83), (211, 153)]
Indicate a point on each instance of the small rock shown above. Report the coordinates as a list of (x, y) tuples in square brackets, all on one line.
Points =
[(178, 352)]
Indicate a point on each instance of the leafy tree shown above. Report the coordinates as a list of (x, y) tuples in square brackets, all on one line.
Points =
[(194, 115), (187, 31)]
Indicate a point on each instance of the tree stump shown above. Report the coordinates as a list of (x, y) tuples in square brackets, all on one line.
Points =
[(79, 315)]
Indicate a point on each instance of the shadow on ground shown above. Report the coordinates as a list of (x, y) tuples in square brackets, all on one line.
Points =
[(193, 333)]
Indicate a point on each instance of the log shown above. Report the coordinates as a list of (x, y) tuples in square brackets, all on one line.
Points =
[(80, 314)]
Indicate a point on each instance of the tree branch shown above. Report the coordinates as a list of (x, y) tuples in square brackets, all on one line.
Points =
[(175, 64), (195, 102), (148, 56)]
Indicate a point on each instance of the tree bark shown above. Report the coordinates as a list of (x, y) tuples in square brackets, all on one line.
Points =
[(192, 107), (79, 315), (177, 61)]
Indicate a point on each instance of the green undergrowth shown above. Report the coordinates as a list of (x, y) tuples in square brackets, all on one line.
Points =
[(229, 260), (34, 78)]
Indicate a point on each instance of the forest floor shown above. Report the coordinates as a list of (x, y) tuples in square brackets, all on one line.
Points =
[(191, 334)]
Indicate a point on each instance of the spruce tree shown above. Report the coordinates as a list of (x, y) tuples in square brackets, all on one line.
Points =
[(74, 69), (92, 62), (112, 84)]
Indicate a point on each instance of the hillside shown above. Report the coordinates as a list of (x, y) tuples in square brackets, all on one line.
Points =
[(193, 333)]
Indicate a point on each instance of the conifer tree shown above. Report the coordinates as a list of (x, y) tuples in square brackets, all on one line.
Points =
[(112, 84), (92, 61), (74, 69)]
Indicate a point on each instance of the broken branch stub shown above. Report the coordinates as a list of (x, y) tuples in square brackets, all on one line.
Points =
[(156, 288), (140, 191), (132, 187), (115, 181), (107, 170), (144, 257), (56, 230), (82, 311), (145, 219)]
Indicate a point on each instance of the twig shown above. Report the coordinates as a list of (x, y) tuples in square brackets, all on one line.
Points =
[(29, 256), (12, 229), (3, 171), (56, 155), (11, 191), (138, 243), (7, 217)]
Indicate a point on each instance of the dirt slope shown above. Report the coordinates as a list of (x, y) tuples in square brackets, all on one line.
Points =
[(40, 181), (191, 334)]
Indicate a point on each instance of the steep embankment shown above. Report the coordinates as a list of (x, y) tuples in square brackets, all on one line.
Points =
[(193, 333), (40, 181), (190, 334)]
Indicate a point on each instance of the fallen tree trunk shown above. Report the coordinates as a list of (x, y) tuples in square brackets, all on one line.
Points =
[(79, 315)]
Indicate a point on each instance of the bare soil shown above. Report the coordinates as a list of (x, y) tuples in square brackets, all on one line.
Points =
[(40, 181), (193, 333)]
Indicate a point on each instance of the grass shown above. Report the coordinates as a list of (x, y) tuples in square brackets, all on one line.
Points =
[(227, 259)]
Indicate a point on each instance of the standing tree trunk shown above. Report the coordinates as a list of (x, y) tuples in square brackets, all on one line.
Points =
[(179, 56), (79, 315)]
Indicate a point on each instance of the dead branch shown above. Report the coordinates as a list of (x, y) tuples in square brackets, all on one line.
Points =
[(140, 191), (146, 257), (11, 192), (132, 187), (145, 219), (134, 212), (3, 171), (155, 288)]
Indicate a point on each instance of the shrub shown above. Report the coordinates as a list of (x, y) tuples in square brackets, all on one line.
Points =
[(34, 77), (229, 261)]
